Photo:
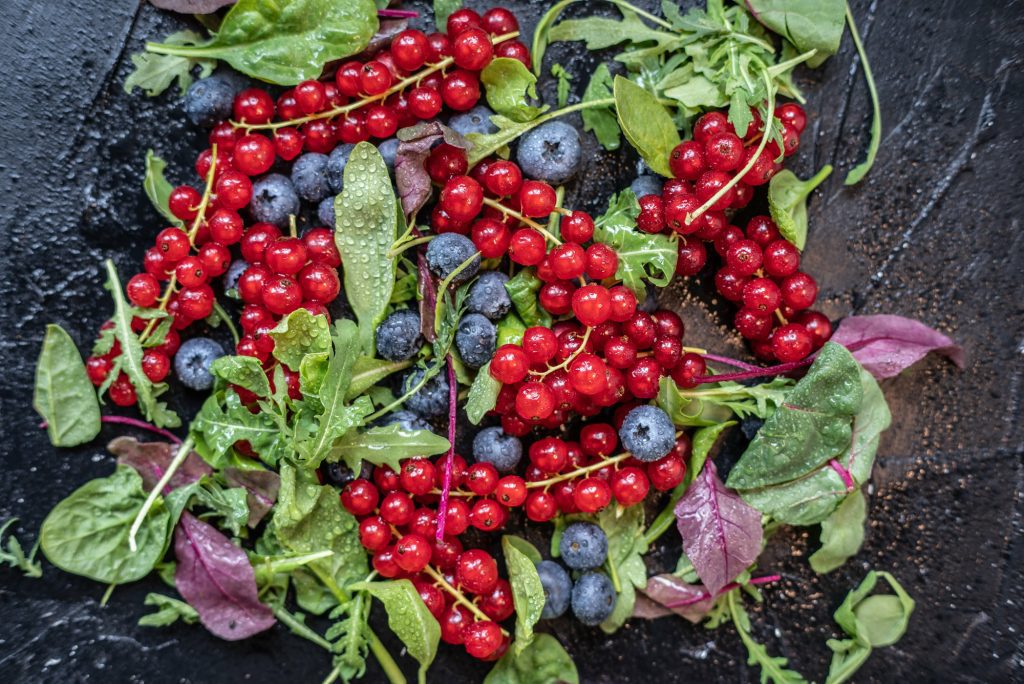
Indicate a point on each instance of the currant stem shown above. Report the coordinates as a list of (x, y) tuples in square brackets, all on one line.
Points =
[(568, 360), (458, 595), (579, 471), (521, 218)]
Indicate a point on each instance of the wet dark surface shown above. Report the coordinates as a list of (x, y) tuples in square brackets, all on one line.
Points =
[(933, 233)]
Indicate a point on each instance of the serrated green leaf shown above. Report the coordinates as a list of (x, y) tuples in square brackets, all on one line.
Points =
[(169, 610), (64, 396), (154, 73), (387, 445), (643, 257), (222, 421), (157, 188), (300, 333), (245, 371)]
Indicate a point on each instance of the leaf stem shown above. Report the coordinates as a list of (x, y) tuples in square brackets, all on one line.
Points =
[(729, 362), (223, 315), (179, 458), (757, 372), (495, 204), (300, 628), (107, 594), (400, 246), (387, 663), (646, 15), (664, 521), (858, 172), (445, 284)]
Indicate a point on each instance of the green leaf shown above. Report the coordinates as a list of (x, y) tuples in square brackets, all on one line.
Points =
[(64, 396), (527, 591), (223, 420), (368, 371), (564, 83), (408, 618), (510, 330), (695, 92), (484, 145), (601, 120), (858, 172), (522, 289), (711, 404), (287, 41), (366, 218), (87, 533), (807, 24), (773, 669), (169, 610), (600, 33), (787, 202), (508, 85), (13, 555), (524, 547), (646, 124), (483, 394), (154, 73), (842, 533), (386, 446), (642, 256), (158, 189), (230, 504), (442, 10), (298, 334), (245, 371), (544, 661), (703, 440)]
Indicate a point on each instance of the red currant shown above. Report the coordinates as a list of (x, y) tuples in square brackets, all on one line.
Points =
[(630, 485), (792, 342), (359, 497), (477, 571)]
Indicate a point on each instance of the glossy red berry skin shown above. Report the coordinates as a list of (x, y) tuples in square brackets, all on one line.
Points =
[(432, 597), (709, 125), (172, 244), (410, 49), (762, 230), (511, 491), (196, 302), (817, 324), (592, 305), (537, 199), (753, 325), (477, 571), (668, 350), (534, 401), (190, 272), (498, 21), (412, 553), (98, 368), (601, 261), (539, 344), (143, 290), (690, 367), (319, 283), (155, 365), (256, 240), (792, 115), (446, 161), (250, 285), (710, 184), (482, 638), (462, 197), (374, 533), (234, 190), (472, 49), (374, 78), (381, 121), (482, 478), (799, 291), (677, 210), (461, 90), (549, 454), (462, 20), (454, 621), (254, 154), (527, 247), (792, 342), (384, 563), (781, 259), (122, 392), (540, 506), (509, 364), (641, 330), (226, 227), (744, 257), (630, 485), (254, 106), (456, 517), (397, 508), (417, 476), (666, 473), (724, 151), (556, 297), (359, 497), (643, 378), (762, 296), (598, 440), (320, 247), (623, 303), (498, 604), (514, 49), (183, 201), (652, 214), (488, 515), (686, 161), (592, 494), (281, 295), (693, 256)]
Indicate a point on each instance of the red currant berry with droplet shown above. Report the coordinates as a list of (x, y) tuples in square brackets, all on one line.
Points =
[(122, 392), (762, 170), (412, 553), (98, 368), (482, 478), (762, 230), (587, 373), (744, 257), (482, 638), (509, 364), (710, 184), (319, 283), (652, 214), (527, 247), (173, 245), (417, 476), (817, 324), (374, 533), (666, 473), (668, 350), (488, 515), (710, 125), (410, 50), (540, 506), (643, 378), (693, 256), (578, 227), (781, 259), (556, 297), (503, 178), (424, 102), (753, 325), (511, 491), (256, 239), (799, 291), (514, 49), (724, 152), (155, 365), (641, 330), (534, 401), (234, 190), (686, 161), (143, 290), (539, 344), (792, 342), (190, 272), (550, 454), (591, 494), (498, 604), (381, 121), (321, 248), (762, 296), (281, 295), (359, 497), (472, 49), (601, 261), (461, 90), (183, 202), (592, 305), (677, 210), (446, 161), (384, 563), (196, 303), (253, 106), (537, 199), (620, 352), (690, 367), (462, 197), (374, 78), (792, 115), (498, 21), (254, 154), (476, 571), (288, 143), (397, 508), (630, 485), (285, 256)]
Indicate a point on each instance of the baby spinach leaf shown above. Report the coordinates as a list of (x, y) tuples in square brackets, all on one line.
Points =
[(721, 533), (366, 218), (842, 533), (87, 533), (524, 547), (601, 120), (703, 440), (483, 394), (408, 618), (298, 334), (414, 144), (442, 10), (223, 420), (787, 202), (169, 610), (158, 189), (64, 396), (522, 289), (285, 42), (508, 85), (886, 344), (386, 446), (642, 256), (245, 371), (154, 73), (216, 579), (152, 459), (544, 661), (807, 24), (646, 124), (527, 592)]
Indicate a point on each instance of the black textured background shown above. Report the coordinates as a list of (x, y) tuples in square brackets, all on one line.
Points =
[(933, 233)]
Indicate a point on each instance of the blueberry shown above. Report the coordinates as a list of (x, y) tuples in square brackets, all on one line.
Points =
[(488, 296), (325, 211), (593, 598), (431, 401), (492, 445), (339, 474), (398, 337), (309, 176), (750, 426), (406, 420), (209, 101), (389, 150), (476, 120), (235, 271), (583, 546), (274, 200), (551, 152), (557, 589), (647, 433), (336, 166), (646, 185), (193, 360), (476, 339), (448, 251)]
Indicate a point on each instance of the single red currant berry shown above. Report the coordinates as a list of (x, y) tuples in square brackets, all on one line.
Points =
[(409, 49), (432, 597), (726, 239), (482, 638), (592, 304), (762, 170), (539, 344), (498, 21), (472, 49), (781, 259), (462, 197), (417, 476), (792, 342), (692, 257), (143, 290), (724, 151), (256, 239), (666, 473), (281, 295), (550, 454), (173, 245), (412, 553), (498, 605), (381, 121), (602, 261), (320, 247), (476, 571), (319, 283), (668, 323), (374, 533), (587, 373), (234, 190), (641, 330), (511, 491), (527, 247), (397, 508), (686, 161), (534, 401), (643, 378), (488, 515), (183, 202), (556, 297), (461, 90), (253, 106), (762, 230), (122, 392), (250, 285), (710, 184), (762, 296), (98, 368), (446, 161), (224, 136), (196, 303), (690, 367), (154, 264), (514, 49), (288, 143), (817, 324), (155, 365), (677, 210), (598, 440), (454, 621), (620, 352), (226, 227), (359, 497), (630, 485), (537, 199), (799, 291), (540, 506), (438, 47), (667, 351), (254, 154), (652, 214), (190, 272), (744, 257), (491, 238), (591, 494), (385, 565), (710, 125), (623, 303), (567, 261), (482, 478), (578, 227), (792, 115), (509, 364), (753, 325), (730, 284), (374, 78), (462, 20), (424, 102), (352, 129), (285, 256), (503, 178), (741, 196)]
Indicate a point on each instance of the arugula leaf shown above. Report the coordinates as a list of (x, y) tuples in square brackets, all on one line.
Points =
[(508, 85), (522, 290), (601, 120), (642, 256), (483, 394), (442, 10), (387, 445), (366, 218), (787, 202), (64, 396), (600, 33), (564, 84), (223, 420), (408, 618), (245, 371), (169, 610), (711, 404), (544, 661), (287, 41), (646, 124), (154, 73), (350, 635), (229, 503), (300, 333), (842, 533), (527, 592), (484, 145), (368, 371), (14, 556), (158, 189), (87, 533), (772, 668), (807, 24), (858, 172)]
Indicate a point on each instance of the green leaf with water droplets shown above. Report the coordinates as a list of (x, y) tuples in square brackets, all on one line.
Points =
[(64, 397), (408, 618), (298, 334), (244, 371), (388, 445), (527, 591)]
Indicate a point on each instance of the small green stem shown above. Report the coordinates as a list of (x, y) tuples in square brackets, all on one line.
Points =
[(399, 401), (400, 246), (613, 573), (387, 663), (442, 289), (179, 458), (107, 594), (301, 629), (646, 15), (858, 172), (664, 521), (223, 315)]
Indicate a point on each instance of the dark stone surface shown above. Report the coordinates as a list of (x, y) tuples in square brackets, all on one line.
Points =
[(933, 233)]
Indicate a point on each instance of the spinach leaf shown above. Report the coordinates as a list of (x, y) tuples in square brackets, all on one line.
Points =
[(601, 120), (527, 592), (625, 563), (787, 202), (408, 618), (169, 610), (87, 533), (508, 85), (64, 396), (522, 289), (11, 553), (842, 533), (642, 256), (366, 218), (886, 344), (300, 333), (544, 661), (154, 73), (442, 10), (158, 189), (646, 124), (807, 24), (287, 41), (245, 371), (387, 445), (564, 84), (483, 394)]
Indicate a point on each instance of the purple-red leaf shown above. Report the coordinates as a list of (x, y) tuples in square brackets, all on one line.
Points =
[(261, 488), (428, 297), (152, 458), (885, 344), (667, 595), (721, 533), (414, 144), (216, 579), (389, 28), (191, 6)]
